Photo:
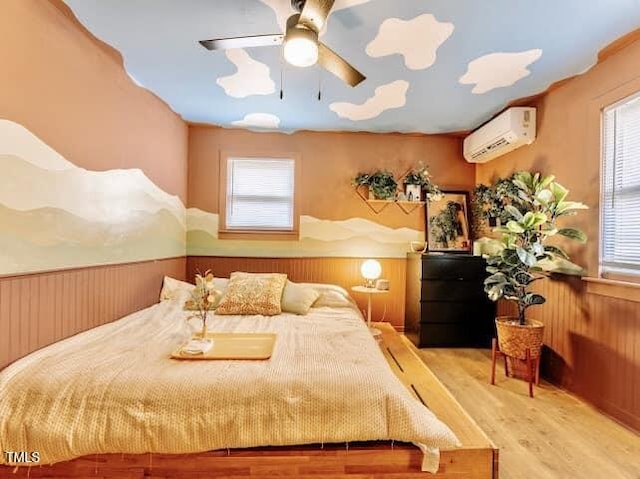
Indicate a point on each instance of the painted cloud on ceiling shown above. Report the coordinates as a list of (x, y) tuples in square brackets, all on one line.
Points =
[(251, 77), (283, 10), (258, 120), (386, 97), (498, 70), (417, 40)]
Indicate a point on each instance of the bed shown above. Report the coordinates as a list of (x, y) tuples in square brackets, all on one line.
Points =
[(113, 389)]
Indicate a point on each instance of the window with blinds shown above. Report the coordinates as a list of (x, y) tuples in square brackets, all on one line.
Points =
[(260, 194), (620, 222)]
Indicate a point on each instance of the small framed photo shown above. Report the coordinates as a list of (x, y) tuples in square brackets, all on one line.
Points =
[(447, 223)]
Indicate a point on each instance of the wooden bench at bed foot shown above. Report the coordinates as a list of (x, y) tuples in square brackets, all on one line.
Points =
[(476, 459)]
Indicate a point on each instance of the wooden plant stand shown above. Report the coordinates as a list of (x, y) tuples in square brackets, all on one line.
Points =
[(532, 366)]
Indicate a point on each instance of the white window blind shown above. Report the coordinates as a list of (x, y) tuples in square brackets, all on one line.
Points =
[(260, 194), (620, 228)]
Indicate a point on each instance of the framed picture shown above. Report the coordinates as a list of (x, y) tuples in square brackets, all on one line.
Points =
[(447, 223)]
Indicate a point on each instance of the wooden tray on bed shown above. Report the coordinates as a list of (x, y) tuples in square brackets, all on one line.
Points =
[(234, 346)]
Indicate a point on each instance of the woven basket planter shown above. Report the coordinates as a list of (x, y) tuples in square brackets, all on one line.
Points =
[(514, 339)]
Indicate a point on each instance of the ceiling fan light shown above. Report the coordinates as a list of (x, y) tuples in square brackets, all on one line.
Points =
[(301, 50)]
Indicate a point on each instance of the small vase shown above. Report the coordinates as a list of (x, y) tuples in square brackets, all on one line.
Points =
[(203, 333)]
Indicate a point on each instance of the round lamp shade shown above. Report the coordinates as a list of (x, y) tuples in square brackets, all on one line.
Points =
[(371, 270), (300, 49)]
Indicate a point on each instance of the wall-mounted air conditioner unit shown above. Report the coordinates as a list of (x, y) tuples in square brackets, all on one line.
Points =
[(511, 129)]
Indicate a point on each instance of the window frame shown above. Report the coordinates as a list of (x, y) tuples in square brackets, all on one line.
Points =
[(620, 277), (258, 234)]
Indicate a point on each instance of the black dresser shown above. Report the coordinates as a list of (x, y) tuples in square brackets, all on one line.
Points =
[(446, 305)]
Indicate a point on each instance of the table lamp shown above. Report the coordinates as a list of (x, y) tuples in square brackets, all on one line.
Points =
[(370, 271)]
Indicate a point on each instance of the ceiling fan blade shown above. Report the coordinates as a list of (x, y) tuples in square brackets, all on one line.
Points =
[(243, 42), (337, 65), (314, 13)]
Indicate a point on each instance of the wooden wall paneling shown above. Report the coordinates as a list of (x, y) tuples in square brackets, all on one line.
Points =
[(344, 272), (39, 309), (592, 346)]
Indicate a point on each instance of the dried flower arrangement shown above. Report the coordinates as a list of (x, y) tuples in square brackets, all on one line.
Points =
[(204, 298)]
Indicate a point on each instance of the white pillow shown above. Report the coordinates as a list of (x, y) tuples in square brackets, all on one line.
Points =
[(221, 284), (331, 295), (174, 289), (298, 298)]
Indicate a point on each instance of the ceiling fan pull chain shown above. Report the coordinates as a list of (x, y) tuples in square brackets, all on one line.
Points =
[(281, 76), (319, 84)]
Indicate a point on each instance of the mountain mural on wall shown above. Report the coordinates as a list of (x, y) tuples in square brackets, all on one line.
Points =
[(354, 237), (54, 214)]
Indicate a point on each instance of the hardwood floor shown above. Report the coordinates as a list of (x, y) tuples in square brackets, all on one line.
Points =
[(554, 435)]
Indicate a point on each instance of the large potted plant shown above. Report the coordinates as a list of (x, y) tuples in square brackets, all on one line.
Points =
[(525, 257)]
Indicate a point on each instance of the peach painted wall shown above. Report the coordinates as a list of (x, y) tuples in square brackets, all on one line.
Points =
[(593, 339), (94, 166), (71, 91), (65, 98), (329, 162)]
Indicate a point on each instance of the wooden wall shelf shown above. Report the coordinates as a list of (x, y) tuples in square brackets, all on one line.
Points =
[(410, 206), (377, 206), (406, 206)]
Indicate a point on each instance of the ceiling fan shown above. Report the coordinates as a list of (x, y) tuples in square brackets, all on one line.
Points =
[(301, 45)]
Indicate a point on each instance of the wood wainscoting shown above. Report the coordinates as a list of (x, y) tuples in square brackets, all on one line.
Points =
[(344, 272), (592, 346), (42, 308)]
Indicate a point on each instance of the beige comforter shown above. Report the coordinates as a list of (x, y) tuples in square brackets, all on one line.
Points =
[(113, 389)]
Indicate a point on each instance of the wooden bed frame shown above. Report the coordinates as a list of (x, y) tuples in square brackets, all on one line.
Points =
[(476, 459)]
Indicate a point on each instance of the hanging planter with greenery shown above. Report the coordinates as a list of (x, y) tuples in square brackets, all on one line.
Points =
[(420, 176), (381, 183)]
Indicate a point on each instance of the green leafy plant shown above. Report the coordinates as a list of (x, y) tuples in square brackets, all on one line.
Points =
[(382, 184), (361, 179), (421, 176), (488, 203), (524, 256), (482, 202), (445, 226)]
